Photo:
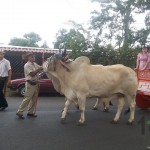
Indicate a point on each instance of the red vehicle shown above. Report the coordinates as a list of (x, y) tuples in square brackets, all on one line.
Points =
[(143, 93), (46, 86)]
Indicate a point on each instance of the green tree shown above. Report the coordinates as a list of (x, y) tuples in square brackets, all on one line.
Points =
[(29, 40), (115, 18), (73, 39), (18, 42), (44, 45)]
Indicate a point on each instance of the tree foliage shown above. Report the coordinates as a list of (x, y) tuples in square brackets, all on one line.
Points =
[(73, 39), (29, 40), (44, 45), (113, 23), (114, 20)]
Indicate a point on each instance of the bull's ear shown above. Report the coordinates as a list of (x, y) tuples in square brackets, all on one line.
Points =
[(65, 66)]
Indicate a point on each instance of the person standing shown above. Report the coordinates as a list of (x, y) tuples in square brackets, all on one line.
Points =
[(143, 60), (5, 79), (31, 71), (142, 63)]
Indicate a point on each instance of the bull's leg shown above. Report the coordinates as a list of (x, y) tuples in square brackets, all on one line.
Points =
[(95, 107), (76, 104), (106, 104), (131, 101), (81, 102), (119, 110), (64, 113)]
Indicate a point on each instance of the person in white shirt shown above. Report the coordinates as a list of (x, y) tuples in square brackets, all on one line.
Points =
[(5, 79)]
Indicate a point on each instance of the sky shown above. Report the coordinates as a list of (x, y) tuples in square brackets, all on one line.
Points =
[(44, 17)]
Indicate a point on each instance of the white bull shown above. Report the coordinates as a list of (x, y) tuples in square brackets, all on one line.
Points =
[(79, 80), (106, 102), (57, 87)]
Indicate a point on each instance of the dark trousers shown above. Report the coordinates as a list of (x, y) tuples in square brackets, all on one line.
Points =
[(3, 102)]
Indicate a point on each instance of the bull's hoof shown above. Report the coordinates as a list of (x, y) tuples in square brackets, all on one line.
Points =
[(63, 120), (80, 124), (114, 122), (94, 108), (105, 110), (129, 123)]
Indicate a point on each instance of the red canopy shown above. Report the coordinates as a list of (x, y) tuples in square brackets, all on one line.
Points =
[(29, 49)]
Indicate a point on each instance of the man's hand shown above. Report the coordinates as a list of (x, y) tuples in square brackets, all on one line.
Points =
[(135, 69), (33, 73), (8, 82)]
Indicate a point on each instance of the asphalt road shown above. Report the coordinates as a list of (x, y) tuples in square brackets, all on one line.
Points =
[(47, 133)]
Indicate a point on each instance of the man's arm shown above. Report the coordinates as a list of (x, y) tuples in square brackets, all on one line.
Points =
[(9, 77), (33, 73)]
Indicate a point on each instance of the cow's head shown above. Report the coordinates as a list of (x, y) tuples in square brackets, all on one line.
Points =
[(55, 62)]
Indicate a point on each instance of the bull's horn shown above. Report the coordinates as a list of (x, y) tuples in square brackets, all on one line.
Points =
[(64, 52)]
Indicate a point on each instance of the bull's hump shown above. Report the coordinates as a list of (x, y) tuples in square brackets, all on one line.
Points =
[(82, 59)]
